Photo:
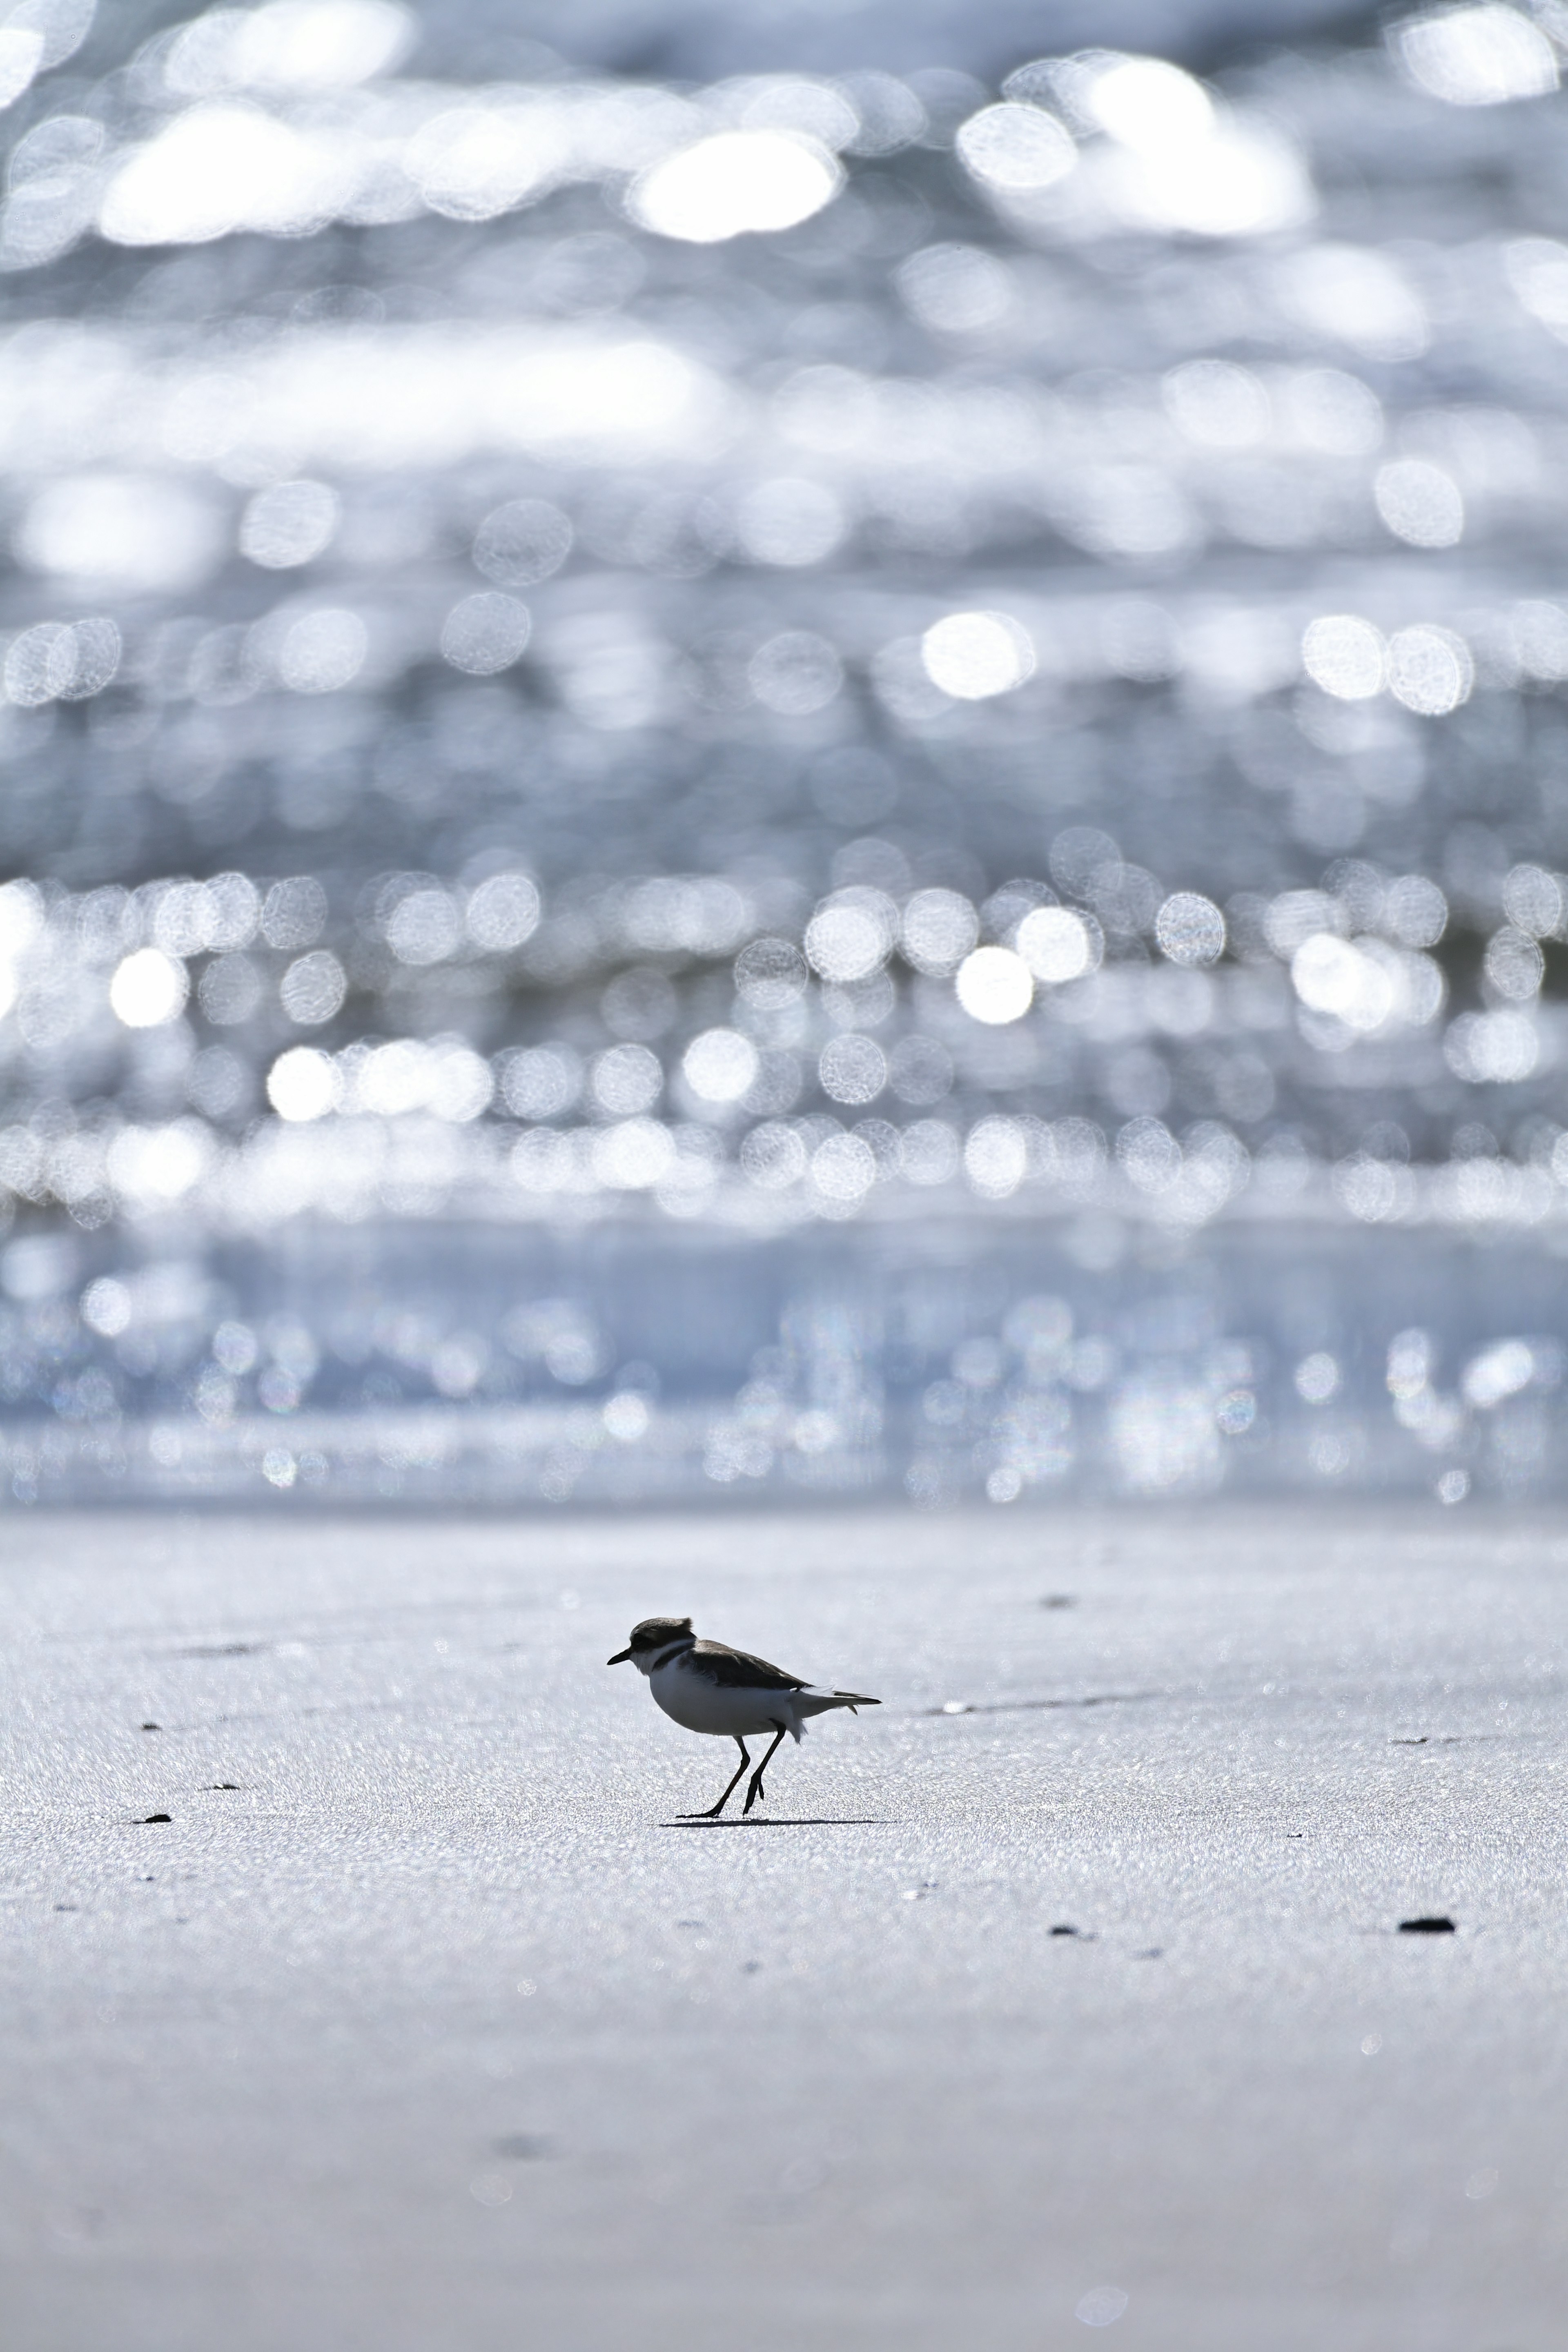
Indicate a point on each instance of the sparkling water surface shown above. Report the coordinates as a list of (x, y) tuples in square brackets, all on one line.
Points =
[(831, 778)]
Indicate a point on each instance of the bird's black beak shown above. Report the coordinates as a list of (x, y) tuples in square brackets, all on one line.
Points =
[(620, 1659)]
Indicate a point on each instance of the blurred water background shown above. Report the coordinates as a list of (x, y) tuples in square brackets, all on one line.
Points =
[(782, 751)]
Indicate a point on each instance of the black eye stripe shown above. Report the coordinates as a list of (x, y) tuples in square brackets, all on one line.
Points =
[(660, 1632), (667, 1647)]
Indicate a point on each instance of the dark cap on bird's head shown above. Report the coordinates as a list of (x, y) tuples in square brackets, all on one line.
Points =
[(653, 1633)]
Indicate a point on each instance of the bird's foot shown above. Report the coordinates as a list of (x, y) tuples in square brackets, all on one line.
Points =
[(753, 1793), (708, 1814)]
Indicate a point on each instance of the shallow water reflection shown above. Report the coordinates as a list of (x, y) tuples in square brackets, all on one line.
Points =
[(792, 669)]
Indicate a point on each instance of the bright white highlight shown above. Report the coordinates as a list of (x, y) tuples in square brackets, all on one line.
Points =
[(634, 1155), (994, 986), (21, 916), (1499, 1372), (1365, 983), (148, 989), (972, 656), (851, 936), (1058, 945), (736, 182), (1183, 164), (302, 1084), (219, 168), (21, 55), (303, 45), (151, 1166), (1478, 57), (1344, 656), (352, 400), (719, 1065), (1150, 106), (995, 1157), (119, 531)]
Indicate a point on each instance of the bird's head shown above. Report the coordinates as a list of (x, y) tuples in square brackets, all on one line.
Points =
[(655, 1638)]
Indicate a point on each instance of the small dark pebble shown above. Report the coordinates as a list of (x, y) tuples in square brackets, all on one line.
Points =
[(750, 1968), (1435, 1926), (158, 1816), (67, 1906), (224, 1784), (1409, 1743), (523, 2147), (1155, 1952), (1059, 1600), (151, 1726), (1065, 1931)]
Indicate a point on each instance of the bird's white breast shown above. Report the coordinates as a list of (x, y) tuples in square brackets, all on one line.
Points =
[(726, 1710)]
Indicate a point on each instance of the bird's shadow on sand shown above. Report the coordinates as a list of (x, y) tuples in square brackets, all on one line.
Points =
[(787, 1822)]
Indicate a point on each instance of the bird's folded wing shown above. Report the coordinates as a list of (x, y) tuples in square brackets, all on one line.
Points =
[(735, 1669)]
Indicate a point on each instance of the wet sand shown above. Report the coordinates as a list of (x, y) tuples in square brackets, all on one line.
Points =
[(435, 2027)]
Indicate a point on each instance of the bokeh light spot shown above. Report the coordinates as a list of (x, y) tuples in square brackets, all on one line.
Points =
[(735, 183), (1190, 929), (288, 524), (149, 988), (719, 1065), (974, 655), (522, 543), (1058, 945), (1015, 147), (994, 986), (302, 1084), (1344, 657), (1476, 57), (484, 634), (1420, 503)]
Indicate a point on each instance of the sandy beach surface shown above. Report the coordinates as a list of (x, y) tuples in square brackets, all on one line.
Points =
[(421, 2023)]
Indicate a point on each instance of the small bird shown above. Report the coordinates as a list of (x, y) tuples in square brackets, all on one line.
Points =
[(706, 1687)]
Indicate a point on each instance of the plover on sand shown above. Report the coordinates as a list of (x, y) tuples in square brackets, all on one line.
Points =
[(706, 1687)]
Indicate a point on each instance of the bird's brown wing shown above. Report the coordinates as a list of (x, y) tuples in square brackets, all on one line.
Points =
[(737, 1669)]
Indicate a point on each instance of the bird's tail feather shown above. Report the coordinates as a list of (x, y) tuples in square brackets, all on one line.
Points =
[(813, 1701)]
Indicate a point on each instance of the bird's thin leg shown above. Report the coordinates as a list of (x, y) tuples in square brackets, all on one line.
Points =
[(714, 1810), (755, 1789)]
